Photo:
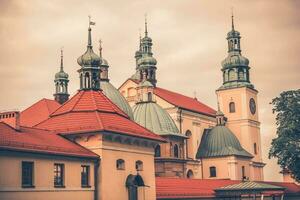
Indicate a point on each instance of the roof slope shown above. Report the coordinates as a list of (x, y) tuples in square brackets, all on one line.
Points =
[(40, 141), (38, 112), (220, 141), (183, 188), (90, 110), (184, 102), (116, 97), (155, 118)]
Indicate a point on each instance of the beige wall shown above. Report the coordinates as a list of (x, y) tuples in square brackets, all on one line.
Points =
[(112, 181), (229, 167), (243, 123), (11, 176)]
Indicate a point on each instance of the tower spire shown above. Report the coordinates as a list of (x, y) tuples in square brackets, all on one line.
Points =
[(232, 21), (146, 26), (61, 59), (100, 48), (90, 34)]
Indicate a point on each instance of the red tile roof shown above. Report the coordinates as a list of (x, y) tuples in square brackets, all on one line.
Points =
[(178, 188), (92, 111), (40, 141), (38, 112), (184, 102)]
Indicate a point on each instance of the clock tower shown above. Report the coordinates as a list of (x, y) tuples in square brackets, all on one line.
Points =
[(238, 101)]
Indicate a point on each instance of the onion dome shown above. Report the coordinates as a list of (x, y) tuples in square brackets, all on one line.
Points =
[(220, 141), (89, 58), (147, 60), (61, 74), (235, 60), (153, 117), (116, 97)]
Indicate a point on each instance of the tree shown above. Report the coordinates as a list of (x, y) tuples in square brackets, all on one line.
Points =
[(286, 147)]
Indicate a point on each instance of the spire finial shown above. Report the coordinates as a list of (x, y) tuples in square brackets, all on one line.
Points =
[(100, 48), (61, 59), (140, 39), (232, 21), (90, 35), (146, 26)]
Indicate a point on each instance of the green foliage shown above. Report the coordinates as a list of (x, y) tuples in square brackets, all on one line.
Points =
[(286, 147)]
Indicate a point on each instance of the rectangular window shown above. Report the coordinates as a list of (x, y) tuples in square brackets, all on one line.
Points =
[(213, 172), (27, 174), (85, 176), (59, 175)]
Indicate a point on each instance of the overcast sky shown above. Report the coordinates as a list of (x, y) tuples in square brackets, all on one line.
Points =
[(189, 45)]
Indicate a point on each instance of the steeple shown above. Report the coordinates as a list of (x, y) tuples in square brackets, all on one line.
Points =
[(147, 63), (90, 70), (235, 67), (61, 83), (103, 65)]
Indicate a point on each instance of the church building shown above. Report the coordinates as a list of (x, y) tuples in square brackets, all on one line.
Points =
[(140, 141)]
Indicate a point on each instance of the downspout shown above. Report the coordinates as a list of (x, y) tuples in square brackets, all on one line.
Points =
[(202, 168), (96, 178)]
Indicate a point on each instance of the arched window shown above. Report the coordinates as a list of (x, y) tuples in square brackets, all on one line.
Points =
[(255, 148), (157, 151), (139, 165), (189, 145), (176, 151), (231, 75), (212, 171), (87, 80), (241, 74), (190, 174), (243, 173), (120, 164), (171, 149), (149, 96), (231, 107)]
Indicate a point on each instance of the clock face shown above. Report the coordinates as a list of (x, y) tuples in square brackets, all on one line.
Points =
[(252, 106)]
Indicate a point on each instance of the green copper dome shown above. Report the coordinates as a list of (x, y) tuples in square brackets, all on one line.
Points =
[(155, 118), (147, 60), (116, 97), (89, 58), (235, 59), (61, 75), (220, 141)]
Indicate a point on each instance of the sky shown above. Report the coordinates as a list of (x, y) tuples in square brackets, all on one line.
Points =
[(189, 44)]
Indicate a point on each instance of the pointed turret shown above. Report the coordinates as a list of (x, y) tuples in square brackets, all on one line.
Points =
[(90, 69), (235, 67), (147, 63), (61, 83)]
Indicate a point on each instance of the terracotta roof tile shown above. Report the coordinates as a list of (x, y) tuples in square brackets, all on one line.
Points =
[(92, 111), (184, 102), (195, 188), (40, 141), (38, 112)]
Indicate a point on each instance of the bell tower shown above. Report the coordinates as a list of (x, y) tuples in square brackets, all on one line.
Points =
[(238, 101), (61, 81)]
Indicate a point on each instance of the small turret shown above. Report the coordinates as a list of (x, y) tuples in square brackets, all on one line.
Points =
[(90, 70), (61, 81)]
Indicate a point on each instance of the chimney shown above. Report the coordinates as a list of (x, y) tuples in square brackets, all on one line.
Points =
[(11, 118)]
